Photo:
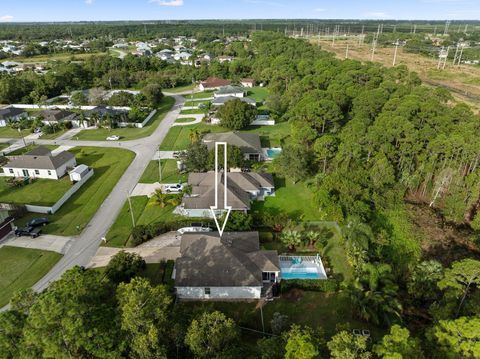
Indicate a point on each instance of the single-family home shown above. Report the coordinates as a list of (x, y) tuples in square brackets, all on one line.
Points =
[(56, 117), (220, 101), (230, 91), (100, 112), (40, 163), (231, 267), (249, 143), (242, 189), (213, 83), (247, 82), (11, 114)]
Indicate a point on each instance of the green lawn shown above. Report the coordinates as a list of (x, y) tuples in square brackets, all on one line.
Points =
[(145, 211), (335, 251), (129, 133), (156, 273), (271, 136), (258, 93), (54, 135), (192, 112), (185, 120), (196, 102), (28, 148), (179, 89), (294, 199), (42, 192), (169, 173), (318, 310), (178, 137), (4, 145), (21, 268), (109, 165), (199, 95), (8, 132)]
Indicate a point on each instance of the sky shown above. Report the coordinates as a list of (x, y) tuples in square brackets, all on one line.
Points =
[(97, 10)]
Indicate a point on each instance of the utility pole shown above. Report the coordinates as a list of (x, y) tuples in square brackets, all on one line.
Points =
[(461, 54), (374, 43), (447, 25), (446, 57), (395, 54), (346, 53), (159, 169), (131, 209), (456, 53)]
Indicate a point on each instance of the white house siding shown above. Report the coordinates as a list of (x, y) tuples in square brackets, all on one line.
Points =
[(53, 174), (219, 293), (234, 94)]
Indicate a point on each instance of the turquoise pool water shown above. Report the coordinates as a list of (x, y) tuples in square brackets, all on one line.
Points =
[(300, 275), (273, 152)]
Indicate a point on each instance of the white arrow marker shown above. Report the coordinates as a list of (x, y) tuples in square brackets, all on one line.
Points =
[(225, 188)]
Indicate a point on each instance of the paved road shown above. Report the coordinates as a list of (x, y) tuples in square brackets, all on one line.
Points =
[(82, 249)]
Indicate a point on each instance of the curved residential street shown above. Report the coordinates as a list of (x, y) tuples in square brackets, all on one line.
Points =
[(81, 249)]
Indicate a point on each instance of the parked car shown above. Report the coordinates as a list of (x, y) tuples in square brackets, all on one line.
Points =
[(174, 188), (37, 222), (113, 138), (194, 229), (33, 232)]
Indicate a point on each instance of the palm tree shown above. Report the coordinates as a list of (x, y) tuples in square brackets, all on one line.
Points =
[(194, 135), (291, 239), (160, 198), (312, 237), (358, 236)]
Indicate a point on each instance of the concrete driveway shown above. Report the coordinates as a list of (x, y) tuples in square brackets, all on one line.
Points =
[(45, 242)]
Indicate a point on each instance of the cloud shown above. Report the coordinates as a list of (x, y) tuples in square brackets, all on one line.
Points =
[(377, 15), (6, 18), (168, 2), (89, 2)]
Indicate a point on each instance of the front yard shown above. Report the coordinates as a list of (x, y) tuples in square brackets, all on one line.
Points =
[(126, 134), (21, 268), (170, 173), (178, 137), (8, 132), (145, 211), (109, 165)]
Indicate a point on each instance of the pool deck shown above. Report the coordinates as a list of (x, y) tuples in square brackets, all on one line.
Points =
[(308, 267)]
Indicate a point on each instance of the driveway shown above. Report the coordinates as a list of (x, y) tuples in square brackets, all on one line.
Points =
[(45, 242), (164, 155)]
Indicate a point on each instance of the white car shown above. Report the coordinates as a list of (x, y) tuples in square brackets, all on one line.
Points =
[(173, 188), (194, 229), (113, 138)]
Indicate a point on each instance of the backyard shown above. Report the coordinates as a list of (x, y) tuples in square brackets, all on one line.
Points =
[(258, 93), (145, 211), (21, 268), (109, 165), (170, 173), (127, 133)]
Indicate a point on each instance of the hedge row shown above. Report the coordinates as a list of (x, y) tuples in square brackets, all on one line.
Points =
[(314, 285)]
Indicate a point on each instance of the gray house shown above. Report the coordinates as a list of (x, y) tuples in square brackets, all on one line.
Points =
[(231, 267), (56, 117), (11, 114), (220, 101), (242, 188), (249, 143)]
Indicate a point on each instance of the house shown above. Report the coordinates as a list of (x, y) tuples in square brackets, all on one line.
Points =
[(242, 188), (220, 101), (247, 82), (11, 114), (56, 117), (249, 143), (100, 112), (40, 163), (230, 91), (213, 83), (230, 267), (182, 56)]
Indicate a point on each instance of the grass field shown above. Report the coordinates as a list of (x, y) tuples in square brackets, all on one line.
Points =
[(8, 132), (258, 93), (185, 120), (129, 133), (42, 192), (192, 112), (178, 139), (179, 89), (271, 136), (52, 136), (169, 173), (21, 268), (109, 165), (145, 211), (199, 95)]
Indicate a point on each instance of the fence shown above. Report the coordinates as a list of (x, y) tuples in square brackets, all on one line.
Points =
[(65, 107), (61, 201), (136, 124)]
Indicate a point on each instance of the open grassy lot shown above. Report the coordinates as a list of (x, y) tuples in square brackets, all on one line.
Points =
[(199, 95), (109, 165), (8, 132), (258, 93), (129, 133), (42, 192), (21, 268), (271, 136), (178, 138), (28, 148), (179, 89), (170, 173), (145, 212), (315, 309), (192, 112)]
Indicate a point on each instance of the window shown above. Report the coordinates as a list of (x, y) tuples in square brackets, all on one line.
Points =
[(207, 291), (37, 172), (49, 172), (11, 170)]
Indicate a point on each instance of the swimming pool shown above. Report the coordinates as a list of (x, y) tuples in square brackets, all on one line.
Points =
[(301, 267), (273, 152), (301, 275)]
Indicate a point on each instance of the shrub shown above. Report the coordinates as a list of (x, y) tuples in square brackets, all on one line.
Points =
[(314, 285), (124, 266)]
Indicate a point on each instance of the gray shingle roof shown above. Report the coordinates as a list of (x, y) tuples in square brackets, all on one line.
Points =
[(222, 100), (226, 90), (40, 158), (9, 112), (56, 115), (247, 142), (235, 260)]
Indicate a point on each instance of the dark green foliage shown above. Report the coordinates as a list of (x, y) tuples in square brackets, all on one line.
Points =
[(196, 157), (236, 114), (314, 285), (124, 266), (235, 158), (238, 222), (153, 94)]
